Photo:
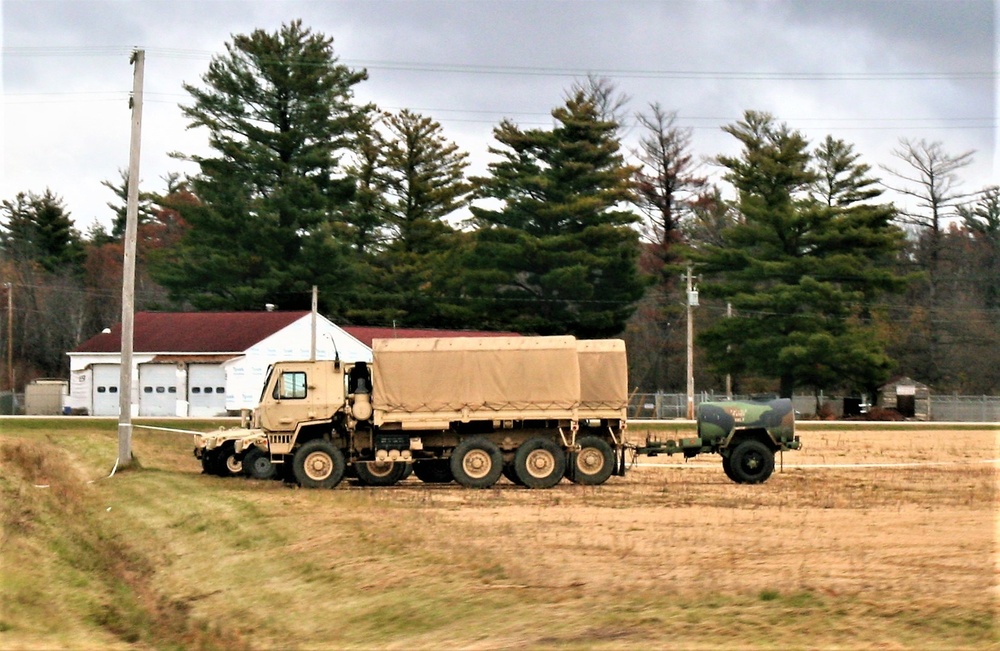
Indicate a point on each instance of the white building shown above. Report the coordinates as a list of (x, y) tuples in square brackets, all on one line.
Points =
[(199, 363), (205, 364)]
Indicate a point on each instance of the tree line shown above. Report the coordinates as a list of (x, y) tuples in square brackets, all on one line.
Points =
[(810, 278)]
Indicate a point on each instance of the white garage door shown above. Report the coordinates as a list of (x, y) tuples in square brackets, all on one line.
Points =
[(206, 390), (105, 398), (157, 389)]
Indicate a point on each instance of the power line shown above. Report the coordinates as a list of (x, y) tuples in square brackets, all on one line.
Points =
[(455, 115), (529, 71)]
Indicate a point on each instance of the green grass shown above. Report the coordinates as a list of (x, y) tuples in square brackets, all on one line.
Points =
[(162, 557)]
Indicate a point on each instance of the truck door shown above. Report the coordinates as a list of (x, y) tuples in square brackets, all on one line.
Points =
[(288, 400)]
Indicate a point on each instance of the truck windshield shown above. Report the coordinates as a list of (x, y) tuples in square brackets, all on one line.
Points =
[(267, 383)]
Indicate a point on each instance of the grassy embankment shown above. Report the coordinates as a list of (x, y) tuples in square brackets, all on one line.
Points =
[(161, 556)]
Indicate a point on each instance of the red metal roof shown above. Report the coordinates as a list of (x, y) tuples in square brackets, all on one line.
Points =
[(193, 332), (366, 334), (233, 332)]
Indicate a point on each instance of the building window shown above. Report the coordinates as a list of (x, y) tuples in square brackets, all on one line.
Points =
[(101, 389), (195, 389), (161, 390), (171, 389), (147, 389)]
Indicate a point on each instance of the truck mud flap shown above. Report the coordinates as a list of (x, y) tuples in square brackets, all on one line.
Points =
[(619, 470)]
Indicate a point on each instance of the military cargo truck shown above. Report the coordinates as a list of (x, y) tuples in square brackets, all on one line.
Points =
[(746, 434), (468, 409)]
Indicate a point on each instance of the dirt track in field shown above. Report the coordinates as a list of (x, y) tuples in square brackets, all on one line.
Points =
[(898, 517)]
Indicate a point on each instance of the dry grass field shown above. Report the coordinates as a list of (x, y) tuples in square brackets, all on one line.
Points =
[(868, 538)]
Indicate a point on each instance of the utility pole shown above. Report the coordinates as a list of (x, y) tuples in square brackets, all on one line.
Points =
[(729, 377), (128, 268), (692, 302), (10, 344)]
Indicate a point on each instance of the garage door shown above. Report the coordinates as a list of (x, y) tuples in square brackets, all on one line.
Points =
[(157, 389), (105, 398), (206, 390)]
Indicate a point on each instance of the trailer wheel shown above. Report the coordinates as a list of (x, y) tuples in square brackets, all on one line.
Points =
[(257, 464), (476, 462), (751, 462), (225, 462), (433, 471), (379, 473), (318, 464), (593, 464), (727, 467), (539, 463)]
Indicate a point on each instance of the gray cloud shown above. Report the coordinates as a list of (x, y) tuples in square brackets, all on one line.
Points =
[(66, 121)]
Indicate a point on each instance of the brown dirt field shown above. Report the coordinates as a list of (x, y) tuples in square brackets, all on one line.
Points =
[(868, 538), (916, 536), (877, 531)]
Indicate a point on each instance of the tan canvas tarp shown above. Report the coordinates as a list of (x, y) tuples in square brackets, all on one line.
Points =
[(603, 375), (476, 377)]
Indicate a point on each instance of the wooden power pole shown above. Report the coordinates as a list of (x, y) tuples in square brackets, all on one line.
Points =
[(128, 269), (692, 302)]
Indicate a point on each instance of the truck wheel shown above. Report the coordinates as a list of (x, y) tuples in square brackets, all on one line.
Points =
[(208, 461), (379, 473), (539, 463), (593, 464), (433, 471), (476, 462), (511, 474), (257, 464), (318, 464), (751, 462), (225, 462)]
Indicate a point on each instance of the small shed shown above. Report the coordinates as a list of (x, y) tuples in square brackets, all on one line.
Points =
[(45, 397), (910, 398)]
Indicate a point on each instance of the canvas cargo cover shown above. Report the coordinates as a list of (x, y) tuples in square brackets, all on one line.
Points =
[(473, 375), (603, 375)]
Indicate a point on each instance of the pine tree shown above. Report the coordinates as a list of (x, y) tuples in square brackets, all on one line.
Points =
[(38, 228), (425, 183), (279, 113), (802, 265), (559, 253)]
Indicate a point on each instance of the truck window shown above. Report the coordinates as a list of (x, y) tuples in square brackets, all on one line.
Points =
[(291, 385)]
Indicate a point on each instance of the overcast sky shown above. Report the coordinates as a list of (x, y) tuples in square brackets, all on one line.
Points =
[(867, 71)]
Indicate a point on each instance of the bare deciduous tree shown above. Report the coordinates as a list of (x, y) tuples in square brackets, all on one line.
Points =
[(930, 182)]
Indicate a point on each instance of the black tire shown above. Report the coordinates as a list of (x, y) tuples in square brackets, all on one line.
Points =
[(284, 471), (208, 461), (751, 462), (727, 467), (257, 464), (511, 474), (433, 471), (593, 464), (539, 463), (374, 473), (476, 462), (225, 462), (318, 464)]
